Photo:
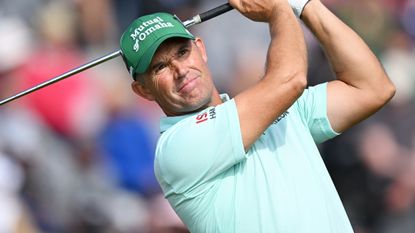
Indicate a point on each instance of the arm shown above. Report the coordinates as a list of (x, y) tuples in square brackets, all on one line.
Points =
[(361, 86), (286, 68)]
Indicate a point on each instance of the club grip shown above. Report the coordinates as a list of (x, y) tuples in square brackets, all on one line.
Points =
[(215, 12)]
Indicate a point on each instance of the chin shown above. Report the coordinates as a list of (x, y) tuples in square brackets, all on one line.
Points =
[(191, 105), (196, 107)]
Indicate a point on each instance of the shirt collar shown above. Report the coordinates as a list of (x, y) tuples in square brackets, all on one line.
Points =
[(169, 121)]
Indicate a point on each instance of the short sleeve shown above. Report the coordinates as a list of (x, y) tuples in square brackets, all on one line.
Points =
[(312, 108), (199, 148)]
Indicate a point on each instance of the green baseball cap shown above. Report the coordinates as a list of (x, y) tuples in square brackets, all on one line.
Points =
[(142, 38)]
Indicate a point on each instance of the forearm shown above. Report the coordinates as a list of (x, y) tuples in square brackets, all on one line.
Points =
[(286, 68), (284, 79), (287, 53)]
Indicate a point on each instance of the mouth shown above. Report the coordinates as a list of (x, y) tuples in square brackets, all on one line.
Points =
[(187, 85)]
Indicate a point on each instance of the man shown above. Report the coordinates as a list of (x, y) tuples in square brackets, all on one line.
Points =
[(250, 164)]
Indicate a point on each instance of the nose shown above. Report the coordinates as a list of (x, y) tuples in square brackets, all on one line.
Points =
[(179, 68)]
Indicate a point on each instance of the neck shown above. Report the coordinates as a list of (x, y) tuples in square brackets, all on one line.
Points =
[(214, 101)]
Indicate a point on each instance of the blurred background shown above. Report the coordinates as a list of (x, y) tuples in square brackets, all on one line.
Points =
[(78, 156)]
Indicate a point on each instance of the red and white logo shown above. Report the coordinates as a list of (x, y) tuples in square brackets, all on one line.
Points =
[(211, 114), (201, 118)]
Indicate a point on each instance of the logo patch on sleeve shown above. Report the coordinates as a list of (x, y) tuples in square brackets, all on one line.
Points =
[(211, 114), (201, 118)]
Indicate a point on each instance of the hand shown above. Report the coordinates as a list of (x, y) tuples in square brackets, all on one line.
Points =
[(298, 6), (257, 10)]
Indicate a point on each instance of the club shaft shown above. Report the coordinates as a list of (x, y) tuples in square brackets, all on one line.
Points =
[(195, 20), (64, 76)]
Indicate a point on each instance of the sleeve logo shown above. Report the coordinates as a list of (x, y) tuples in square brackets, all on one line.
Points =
[(211, 114)]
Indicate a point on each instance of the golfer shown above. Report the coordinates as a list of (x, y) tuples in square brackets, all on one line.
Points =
[(250, 163)]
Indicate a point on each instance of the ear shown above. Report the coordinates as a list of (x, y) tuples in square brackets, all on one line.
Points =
[(199, 44), (141, 90)]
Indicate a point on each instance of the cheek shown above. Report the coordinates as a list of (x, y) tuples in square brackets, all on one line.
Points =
[(203, 66), (157, 85), (162, 88)]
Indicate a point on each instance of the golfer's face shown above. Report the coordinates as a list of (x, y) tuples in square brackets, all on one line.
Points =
[(178, 77)]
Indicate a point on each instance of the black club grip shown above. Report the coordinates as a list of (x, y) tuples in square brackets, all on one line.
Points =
[(215, 12)]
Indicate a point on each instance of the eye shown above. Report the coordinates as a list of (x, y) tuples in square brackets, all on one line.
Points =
[(159, 67), (182, 52)]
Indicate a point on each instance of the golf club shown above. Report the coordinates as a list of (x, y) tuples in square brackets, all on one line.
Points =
[(195, 20)]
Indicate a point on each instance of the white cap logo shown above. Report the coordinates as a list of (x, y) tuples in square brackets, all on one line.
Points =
[(136, 46), (146, 28)]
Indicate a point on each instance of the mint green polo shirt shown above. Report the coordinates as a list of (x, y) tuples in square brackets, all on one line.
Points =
[(280, 185)]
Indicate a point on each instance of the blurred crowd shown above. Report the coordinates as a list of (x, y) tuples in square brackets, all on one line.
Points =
[(77, 156)]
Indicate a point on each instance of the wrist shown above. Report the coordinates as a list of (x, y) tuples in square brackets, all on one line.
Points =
[(298, 6), (280, 10)]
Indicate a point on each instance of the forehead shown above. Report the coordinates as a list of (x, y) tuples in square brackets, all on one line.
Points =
[(169, 46)]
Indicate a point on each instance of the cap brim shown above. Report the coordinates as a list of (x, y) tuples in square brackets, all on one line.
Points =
[(148, 55)]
